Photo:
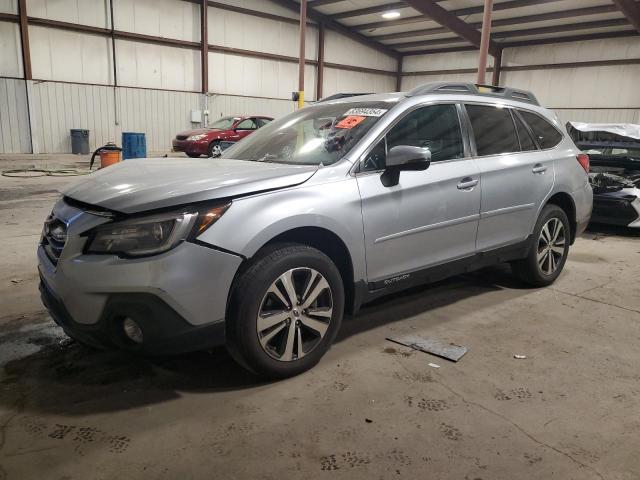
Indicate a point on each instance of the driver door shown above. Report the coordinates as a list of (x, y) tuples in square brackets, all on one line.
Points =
[(244, 128), (431, 216)]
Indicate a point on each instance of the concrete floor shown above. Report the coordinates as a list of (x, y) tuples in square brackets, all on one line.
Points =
[(370, 409)]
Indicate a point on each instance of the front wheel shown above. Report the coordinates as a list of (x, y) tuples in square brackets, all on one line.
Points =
[(215, 149), (549, 250), (285, 311)]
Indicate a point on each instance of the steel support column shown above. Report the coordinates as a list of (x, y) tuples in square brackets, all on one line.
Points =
[(484, 42), (204, 49), (303, 34), (399, 74), (24, 39), (320, 68), (497, 68)]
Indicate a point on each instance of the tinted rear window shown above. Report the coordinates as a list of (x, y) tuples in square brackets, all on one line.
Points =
[(493, 130), (546, 134), (526, 142)]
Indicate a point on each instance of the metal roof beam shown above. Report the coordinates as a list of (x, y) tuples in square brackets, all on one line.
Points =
[(452, 22), (337, 27), (631, 10), (522, 33), (461, 12)]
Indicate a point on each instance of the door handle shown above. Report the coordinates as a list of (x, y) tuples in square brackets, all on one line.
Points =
[(467, 183), (539, 168)]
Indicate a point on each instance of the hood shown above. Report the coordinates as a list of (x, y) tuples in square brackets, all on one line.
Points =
[(145, 184), (198, 131), (619, 131)]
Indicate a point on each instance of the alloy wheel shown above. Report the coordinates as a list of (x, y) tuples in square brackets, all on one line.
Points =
[(215, 150), (551, 246), (294, 314)]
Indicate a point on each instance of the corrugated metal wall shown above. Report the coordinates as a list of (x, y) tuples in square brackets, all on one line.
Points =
[(59, 107), (582, 93), (14, 117), (70, 61)]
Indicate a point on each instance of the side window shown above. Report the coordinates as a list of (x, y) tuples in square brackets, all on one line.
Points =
[(247, 124), (493, 130), (546, 134), (526, 142), (436, 127), (263, 121)]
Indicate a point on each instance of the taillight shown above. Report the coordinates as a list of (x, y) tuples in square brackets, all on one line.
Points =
[(583, 160)]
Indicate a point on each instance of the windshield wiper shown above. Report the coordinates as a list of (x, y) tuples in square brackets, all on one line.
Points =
[(268, 157)]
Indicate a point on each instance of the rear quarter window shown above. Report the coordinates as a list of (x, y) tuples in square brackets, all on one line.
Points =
[(546, 134)]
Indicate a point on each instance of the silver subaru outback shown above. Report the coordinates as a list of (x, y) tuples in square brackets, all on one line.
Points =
[(264, 249)]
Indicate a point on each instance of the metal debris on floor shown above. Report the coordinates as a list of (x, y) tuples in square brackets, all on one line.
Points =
[(434, 365), (450, 351), (520, 357)]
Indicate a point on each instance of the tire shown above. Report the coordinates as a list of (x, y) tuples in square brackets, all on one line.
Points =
[(285, 341), (544, 264), (214, 150), (193, 155)]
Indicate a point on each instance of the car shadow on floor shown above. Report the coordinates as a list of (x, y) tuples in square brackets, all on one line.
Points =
[(75, 380), (601, 229)]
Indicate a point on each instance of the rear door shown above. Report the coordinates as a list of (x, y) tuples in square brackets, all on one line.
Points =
[(516, 175), (431, 216)]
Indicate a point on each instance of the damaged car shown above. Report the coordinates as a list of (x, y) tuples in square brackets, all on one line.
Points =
[(614, 153)]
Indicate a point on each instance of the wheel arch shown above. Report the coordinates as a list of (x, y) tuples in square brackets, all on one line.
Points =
[(321, 239), (566, 203)]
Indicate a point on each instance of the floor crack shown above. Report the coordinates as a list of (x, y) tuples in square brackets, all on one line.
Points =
[(594, 300), (520, 429)]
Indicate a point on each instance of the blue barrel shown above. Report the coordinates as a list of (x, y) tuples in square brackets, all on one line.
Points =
[(134, 145)]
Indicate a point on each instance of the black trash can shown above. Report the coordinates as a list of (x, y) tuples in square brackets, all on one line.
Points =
[(79, 141)]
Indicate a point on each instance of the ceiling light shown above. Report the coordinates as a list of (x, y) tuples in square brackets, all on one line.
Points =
[(390, 15)]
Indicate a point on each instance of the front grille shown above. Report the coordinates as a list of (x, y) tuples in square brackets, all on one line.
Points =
[(182, 137), (54, 237)]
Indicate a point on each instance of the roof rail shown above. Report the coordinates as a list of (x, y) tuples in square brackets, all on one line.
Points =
[(474, 89)]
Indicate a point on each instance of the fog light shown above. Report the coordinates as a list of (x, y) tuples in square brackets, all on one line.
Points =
[(132, 330)]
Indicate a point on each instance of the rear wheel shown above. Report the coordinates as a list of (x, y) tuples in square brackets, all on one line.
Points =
[(286, 311), (549, 250)]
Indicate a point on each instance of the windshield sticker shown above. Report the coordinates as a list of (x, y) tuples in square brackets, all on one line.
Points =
[(367, 112), (350, 121)]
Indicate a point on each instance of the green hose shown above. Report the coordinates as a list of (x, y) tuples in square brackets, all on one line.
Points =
[(40, 172)]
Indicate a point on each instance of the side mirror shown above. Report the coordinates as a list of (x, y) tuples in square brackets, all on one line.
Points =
[(404, 157)]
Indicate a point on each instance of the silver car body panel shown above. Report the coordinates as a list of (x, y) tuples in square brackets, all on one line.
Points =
[(146, 184), (425, 220), (84, 282)]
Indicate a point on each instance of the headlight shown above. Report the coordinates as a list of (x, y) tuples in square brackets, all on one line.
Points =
[(193, 138), (153, 234)]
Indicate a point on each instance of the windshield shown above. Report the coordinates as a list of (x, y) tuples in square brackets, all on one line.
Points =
[(319, 134), (225, 123)]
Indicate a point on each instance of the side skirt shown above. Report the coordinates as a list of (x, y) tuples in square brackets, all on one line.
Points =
[(365, 293)]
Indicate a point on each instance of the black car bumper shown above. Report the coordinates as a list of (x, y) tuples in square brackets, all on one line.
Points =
[(614, 209), (164, 330)]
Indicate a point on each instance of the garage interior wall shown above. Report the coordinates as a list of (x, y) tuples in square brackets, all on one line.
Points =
[(159, 85), (252, 63), (590, 93)]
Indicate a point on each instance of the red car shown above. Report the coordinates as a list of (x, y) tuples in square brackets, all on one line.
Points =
[(210, 141)]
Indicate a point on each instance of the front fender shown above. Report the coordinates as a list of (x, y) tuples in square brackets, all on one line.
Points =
[(253, 221)]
